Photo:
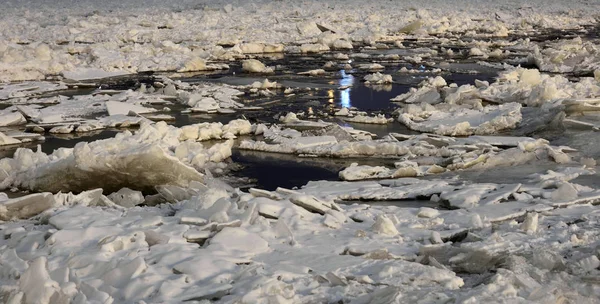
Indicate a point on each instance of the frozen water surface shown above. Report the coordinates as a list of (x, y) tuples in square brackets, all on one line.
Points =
[(299, 152)]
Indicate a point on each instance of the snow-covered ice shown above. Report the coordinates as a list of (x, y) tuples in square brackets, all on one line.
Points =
[(155, 155), (424, 215), (231, 247)]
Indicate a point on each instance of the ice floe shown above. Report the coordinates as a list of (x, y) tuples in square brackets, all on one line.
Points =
[(124, 161), (451, 110), (567, 56), (140, 218)]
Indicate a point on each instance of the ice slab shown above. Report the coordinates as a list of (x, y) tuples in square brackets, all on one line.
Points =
[(26, 206), (27, 89), (12, 119), (461, 121), (81, 74), (576, 55), (6, 140), (111, 164), (120, 108)]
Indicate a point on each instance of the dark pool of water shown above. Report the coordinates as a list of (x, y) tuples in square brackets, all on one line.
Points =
[(271, 170)]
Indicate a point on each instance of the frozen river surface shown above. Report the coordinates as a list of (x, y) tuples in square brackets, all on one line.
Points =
[(299, 152)]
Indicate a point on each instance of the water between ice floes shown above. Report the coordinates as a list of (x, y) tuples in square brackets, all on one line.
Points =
[(328, 92)]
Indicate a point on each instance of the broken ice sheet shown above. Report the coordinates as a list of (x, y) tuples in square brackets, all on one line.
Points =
[(379, 119), (80, 107), (576, 55), (28, 89), (81, 74), (434, 155), (207, 98), (115, 163), (301, 250), (433, 100), (461, 120)]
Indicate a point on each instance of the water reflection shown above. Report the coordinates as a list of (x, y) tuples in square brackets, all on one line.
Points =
[(381, 87), (346, 81)]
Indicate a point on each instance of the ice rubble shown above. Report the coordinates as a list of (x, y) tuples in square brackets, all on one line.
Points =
[(62, 114), (531, 242), (566, 56), (417, 155), (431, 154), (378, 78), (362, 117), (157, 154), (456, 120), (111, 41), (443, 109), (301, 246), (293, 142), (208, 98), (28, 89)]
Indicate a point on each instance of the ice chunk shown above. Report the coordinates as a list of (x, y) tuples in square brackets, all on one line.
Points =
[(565, 192), (530, 225), (547, 260), (127, 197), (459, 120), (312, 141), (12, 119), (531, 77), (238, 241), (82, 73), (26, 206), (120, 108), (121, 167), (589, 263), (378, 78), (26, 89), (356, 172), (379, 119), (255, 66), (111, 164), (373, 67), (422, 95), (7, 140), (37, 284), (427, 212), (310, 203), (308, 29), (342, 112), (316, 72), (193, 64), (383, 225)]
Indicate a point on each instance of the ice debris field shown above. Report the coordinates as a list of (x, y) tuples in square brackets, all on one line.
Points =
[(299, 152)]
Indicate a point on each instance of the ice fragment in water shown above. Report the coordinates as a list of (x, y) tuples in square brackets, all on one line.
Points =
[(384, 225)]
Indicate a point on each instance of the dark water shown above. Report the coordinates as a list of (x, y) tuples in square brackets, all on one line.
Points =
[(272, 170), (54, 142)]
